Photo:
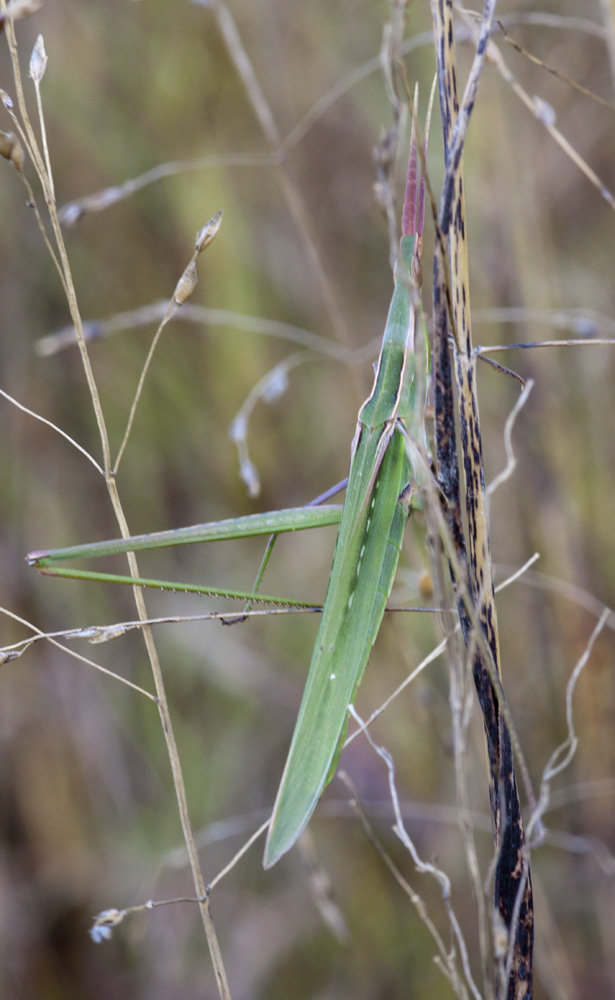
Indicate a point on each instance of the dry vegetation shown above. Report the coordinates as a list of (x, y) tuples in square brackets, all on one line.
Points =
[(89, 817)]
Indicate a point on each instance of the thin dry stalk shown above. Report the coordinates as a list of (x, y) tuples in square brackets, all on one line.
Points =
[(42, 167), (545, 114), (291, 190), (184, 289), (427, 868)]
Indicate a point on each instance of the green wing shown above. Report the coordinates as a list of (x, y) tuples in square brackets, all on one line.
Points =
[(364, 566)]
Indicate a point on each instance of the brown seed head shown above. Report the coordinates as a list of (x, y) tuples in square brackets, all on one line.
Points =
[(38, 60), (186, 284), (11, 149), (209, 230)]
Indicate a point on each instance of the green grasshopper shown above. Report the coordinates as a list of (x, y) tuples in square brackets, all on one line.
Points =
[(378, 499)]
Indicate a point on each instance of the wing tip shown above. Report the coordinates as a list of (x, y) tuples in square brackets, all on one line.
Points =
[(278, 844), (282, 836)]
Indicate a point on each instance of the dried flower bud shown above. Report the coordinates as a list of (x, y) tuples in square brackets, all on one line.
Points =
[(186, 284), (8, 655), (38, 60), (20, 9), (92, 632), (7, 142), (209, 230), (6, 100), (104, 923), (10, 149), (107, 634), (17, 156)]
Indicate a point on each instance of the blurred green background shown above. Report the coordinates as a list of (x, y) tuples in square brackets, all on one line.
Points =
[(88, 818)]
